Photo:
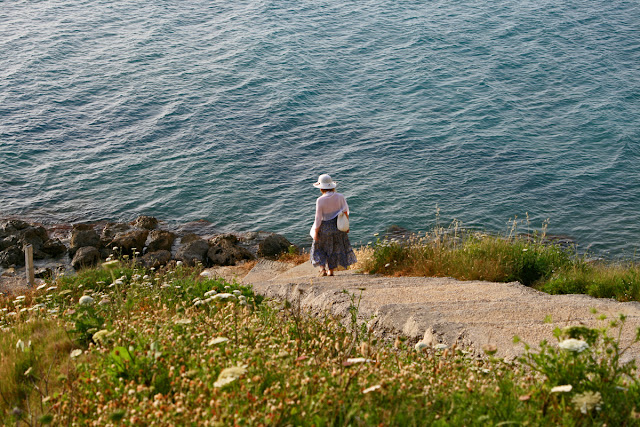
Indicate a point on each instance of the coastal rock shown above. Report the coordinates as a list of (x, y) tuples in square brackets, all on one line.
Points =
[(8, 242), (188, 238), (224, 250), (86, 256), (11, 226), (193, 252), (43, 273), (83, 235), (155, 259), (33, 235), (273, 246), (111, 229), (12, 256), (129, 240), (146, 222), (54, 248), (160, 240)]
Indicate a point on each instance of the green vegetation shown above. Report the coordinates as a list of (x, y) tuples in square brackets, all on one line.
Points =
[(121, 346), (530, 259)]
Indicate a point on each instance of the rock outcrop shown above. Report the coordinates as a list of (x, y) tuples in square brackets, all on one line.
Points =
[(160, 240), (86, 256), (224, 250), (193, 251), (273, 246)]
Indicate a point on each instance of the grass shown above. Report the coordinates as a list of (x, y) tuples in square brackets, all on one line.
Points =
[(160, 348), (531, 259)]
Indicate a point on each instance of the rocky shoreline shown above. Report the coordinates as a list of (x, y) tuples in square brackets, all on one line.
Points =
[(61, 248)]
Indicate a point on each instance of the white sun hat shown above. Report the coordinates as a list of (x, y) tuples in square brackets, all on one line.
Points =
[(325, 183)]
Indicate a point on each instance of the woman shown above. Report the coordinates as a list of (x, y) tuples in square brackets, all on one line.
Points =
[(331, 247)]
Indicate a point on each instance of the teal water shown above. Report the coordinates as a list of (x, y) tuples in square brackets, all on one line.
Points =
[(228, 111)]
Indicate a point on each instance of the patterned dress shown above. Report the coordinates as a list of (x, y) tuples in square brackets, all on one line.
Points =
[(332, 249)]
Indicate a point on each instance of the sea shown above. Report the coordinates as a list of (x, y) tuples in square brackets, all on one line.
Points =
[(423, 111)]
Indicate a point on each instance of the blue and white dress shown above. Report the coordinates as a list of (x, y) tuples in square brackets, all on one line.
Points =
[(332, 248)]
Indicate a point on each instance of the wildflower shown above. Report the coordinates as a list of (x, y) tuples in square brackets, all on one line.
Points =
[(110, 264), (562, 389), (52, 288), (217, 340), (441, 346), (587, 401), (387, 265), (224, 297), (229, 375), (20, 298), (28, 371), (145, 277), (210, 293), (20, 345), (178, 263), (354, 360), (104, 301), (44, 285), (421, 346), (85, 300), (75, 353), (100, 336), (372, 388), (119, 282), (237, 292), (574, 345)]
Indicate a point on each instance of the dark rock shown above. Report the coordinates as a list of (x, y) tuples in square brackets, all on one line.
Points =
[(193, 252), (43, 273), (188, 238), (224, 250), (83, 227), (126, 242), (12, 256), (83, 235), (34, 236), (111, 229), (86, 256), (13, 225), (273, 246), (146, 222), (54, 248), (160, 240), (155, 259), (9, 241)]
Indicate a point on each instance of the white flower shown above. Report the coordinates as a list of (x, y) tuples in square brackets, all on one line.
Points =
[(441, 346), (75, 353), (20, 298), (370, 389), (355, 360), (110, 264), (20, 345), (100, 335), (44, 285), (104, 301), (52, 288), (211, 292), (587, 401), (85, 300), (217, 340), (199, 302), (229, 375), (562, 389), (574, 345), (387, 265), (224, 297), (178, 263), (237, 292), (421, 345), (119, 282)]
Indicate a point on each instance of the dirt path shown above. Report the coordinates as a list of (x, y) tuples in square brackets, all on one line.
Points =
[(441, 310)]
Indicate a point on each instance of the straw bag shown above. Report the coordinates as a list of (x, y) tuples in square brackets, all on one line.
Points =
[(343, 222)]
